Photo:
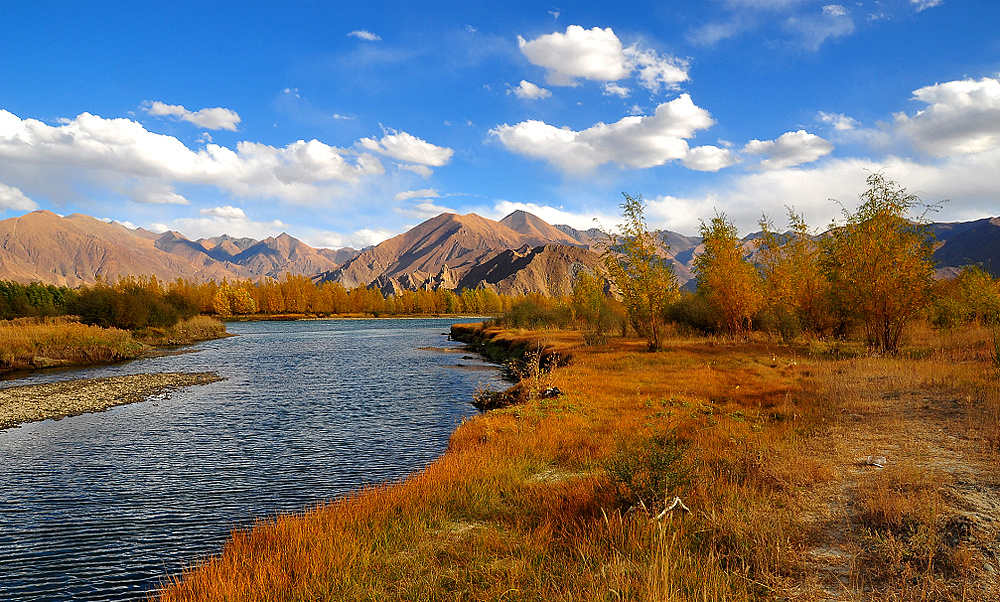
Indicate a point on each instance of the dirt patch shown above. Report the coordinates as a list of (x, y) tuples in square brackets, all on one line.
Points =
[(913, 510)]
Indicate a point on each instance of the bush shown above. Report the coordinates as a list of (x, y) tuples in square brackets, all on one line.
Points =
[(692, 311), (647, 471)]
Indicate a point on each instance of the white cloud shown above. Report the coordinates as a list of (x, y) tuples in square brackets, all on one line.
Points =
[(583, 220), (407, 147), (921, 5), (426, 193), (225, 220), (423, 211), (227, 212), (709, 158), (367, 237), (13, 198), (152, 192), (962, 117), (613, 89), (655, 71), (217, 118), (634, 141), (420, 170), (594, 54), (528, 90), (131, 158), (789, 150), (364, 34), (839, 121), (598, 55), (833, 22)]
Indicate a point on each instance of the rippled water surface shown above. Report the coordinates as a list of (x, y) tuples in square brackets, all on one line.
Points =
[(105, 506)]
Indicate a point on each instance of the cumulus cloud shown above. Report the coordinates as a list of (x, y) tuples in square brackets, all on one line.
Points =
[(407, 147), (789, 150), (530, 91), (217, 118), (839, 121), (426, 193), (364, 34), (366, 237), (123, 150), (13, 198), (227, 212), (636, 141), (598, 55), (709, 158), (961, 117)]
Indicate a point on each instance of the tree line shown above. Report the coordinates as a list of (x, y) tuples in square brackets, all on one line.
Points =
[(137, 302)]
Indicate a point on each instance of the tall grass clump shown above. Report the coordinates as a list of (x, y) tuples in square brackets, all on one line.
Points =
[(27, 343)]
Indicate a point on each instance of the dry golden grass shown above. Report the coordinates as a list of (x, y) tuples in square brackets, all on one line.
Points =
[(31, 343), (522, 508), (191, 330)]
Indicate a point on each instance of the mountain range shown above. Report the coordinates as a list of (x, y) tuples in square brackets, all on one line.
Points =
[(520, 253)]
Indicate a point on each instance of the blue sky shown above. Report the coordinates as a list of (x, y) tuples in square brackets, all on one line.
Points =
[(343, 123)]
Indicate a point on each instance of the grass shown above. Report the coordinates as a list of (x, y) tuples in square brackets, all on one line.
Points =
[(29, 343), (527, 502)]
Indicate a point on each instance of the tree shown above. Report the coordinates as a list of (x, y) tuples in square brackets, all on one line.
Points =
[(220, 302), (795, 289), (879, 264), (727, 281), (637, 264)]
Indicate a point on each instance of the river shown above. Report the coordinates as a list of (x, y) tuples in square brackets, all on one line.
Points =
[(105, 506)]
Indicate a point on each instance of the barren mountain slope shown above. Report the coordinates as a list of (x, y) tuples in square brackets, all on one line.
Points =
[(77, 249)]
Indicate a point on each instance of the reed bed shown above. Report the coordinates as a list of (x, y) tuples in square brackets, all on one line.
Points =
[(523, 505), (31, 343)]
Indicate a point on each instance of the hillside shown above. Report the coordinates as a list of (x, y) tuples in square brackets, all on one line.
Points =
[(519, 253)]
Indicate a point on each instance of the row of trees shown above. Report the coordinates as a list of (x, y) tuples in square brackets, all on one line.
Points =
[(135, 303), (872, 272)]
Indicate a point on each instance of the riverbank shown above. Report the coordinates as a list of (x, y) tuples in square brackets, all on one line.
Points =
[(804, 472), (31, 403), (28, 344)]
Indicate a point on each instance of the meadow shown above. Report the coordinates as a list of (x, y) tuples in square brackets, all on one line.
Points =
[(809, 471)]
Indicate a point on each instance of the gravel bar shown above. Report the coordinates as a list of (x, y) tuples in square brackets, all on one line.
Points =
[(30, 403)]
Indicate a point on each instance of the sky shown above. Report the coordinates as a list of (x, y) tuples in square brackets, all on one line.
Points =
[(345, 123)]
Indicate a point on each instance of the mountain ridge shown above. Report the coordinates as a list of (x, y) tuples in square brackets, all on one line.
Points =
[(517, 254)]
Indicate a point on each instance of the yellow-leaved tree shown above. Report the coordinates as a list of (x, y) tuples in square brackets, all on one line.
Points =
[(637, 263), (795, 289), (729, 283), (878, 263)]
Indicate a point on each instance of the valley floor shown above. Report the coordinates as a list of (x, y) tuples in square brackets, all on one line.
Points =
[(811, 472)]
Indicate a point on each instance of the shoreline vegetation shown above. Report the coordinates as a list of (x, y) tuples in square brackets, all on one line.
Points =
[(32, 403), (28, 344), (806, 471)]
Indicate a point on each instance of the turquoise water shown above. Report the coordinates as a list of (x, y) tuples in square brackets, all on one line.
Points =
[(105, 506)]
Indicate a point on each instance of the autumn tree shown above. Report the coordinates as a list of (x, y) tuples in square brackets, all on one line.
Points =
[(878, 263), (729, 283), (636, 260), (795, 289)]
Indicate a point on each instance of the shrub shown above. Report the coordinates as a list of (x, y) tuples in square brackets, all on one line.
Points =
[(645, 471)]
